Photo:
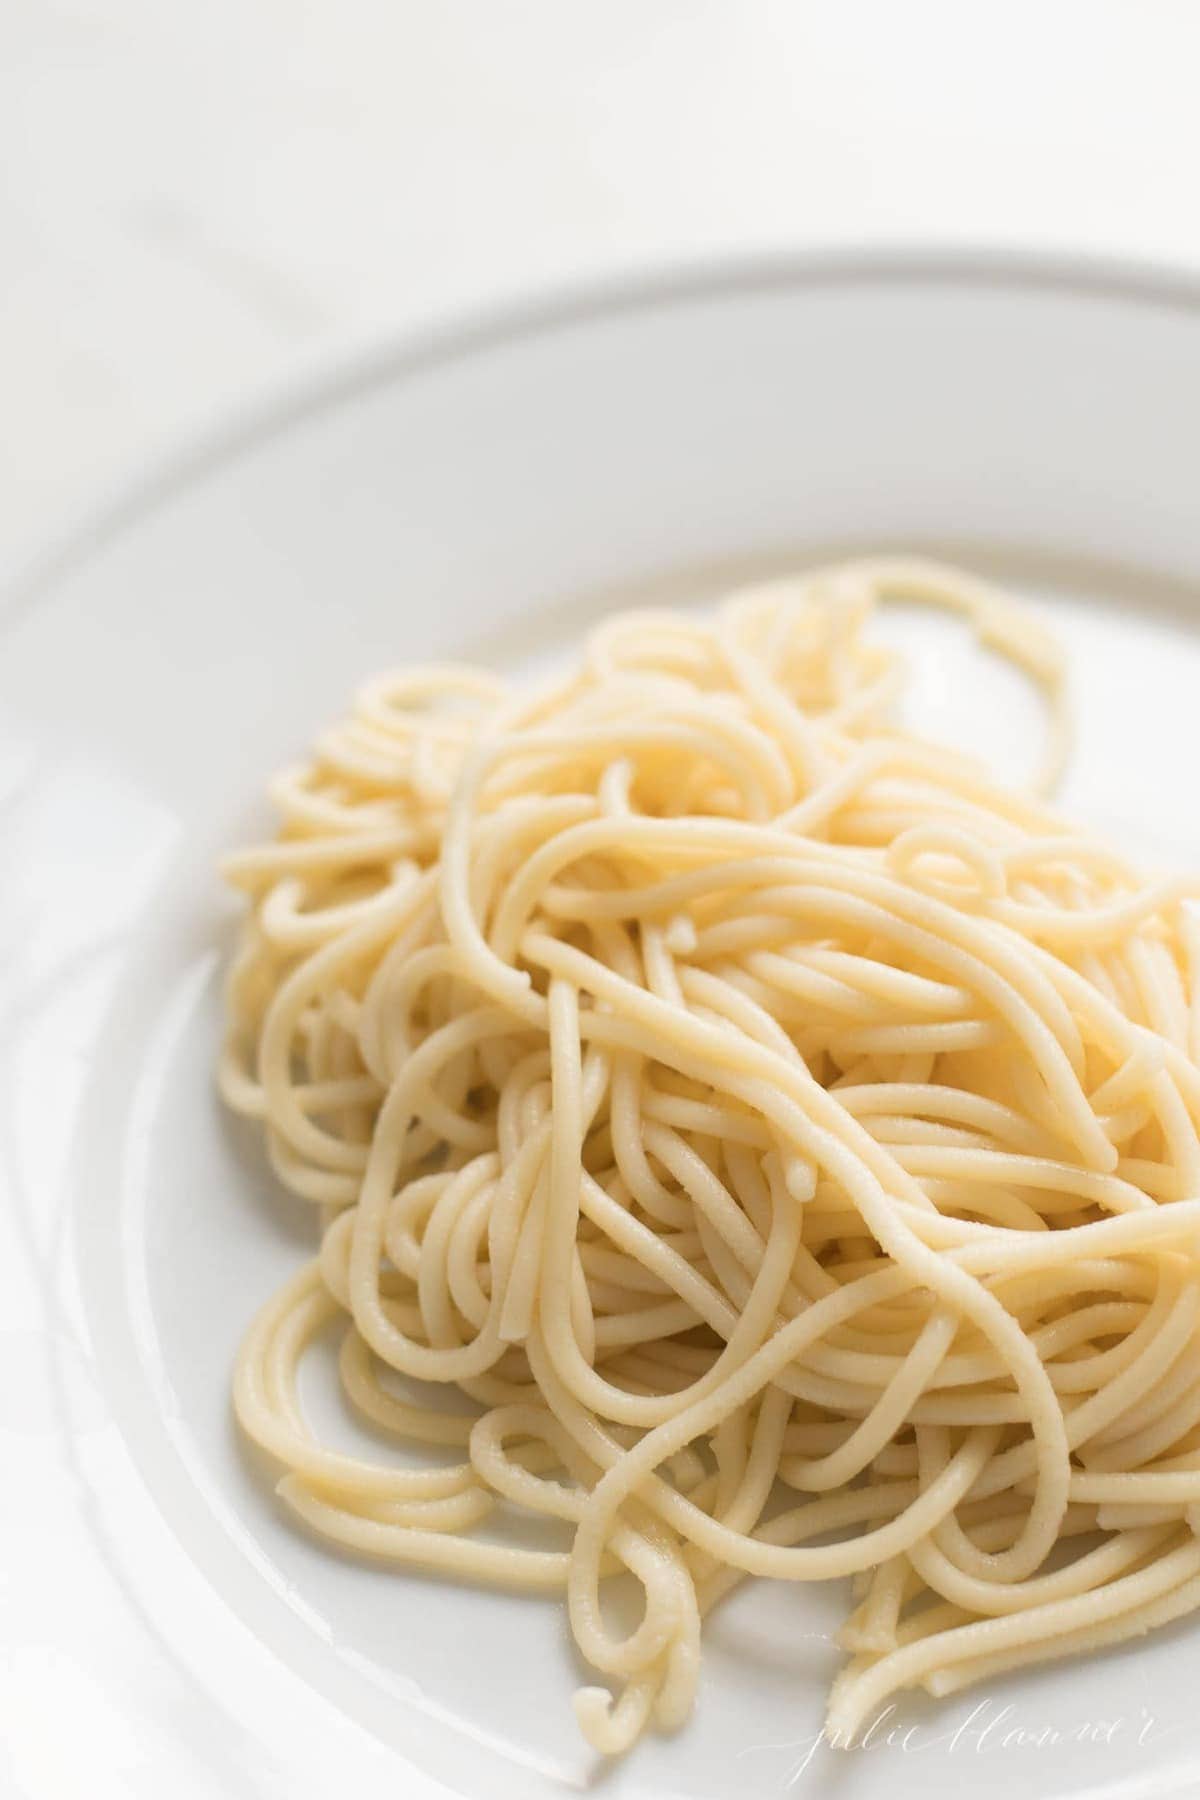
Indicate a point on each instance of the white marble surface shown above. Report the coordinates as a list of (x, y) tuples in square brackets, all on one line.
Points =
[(195, 197)]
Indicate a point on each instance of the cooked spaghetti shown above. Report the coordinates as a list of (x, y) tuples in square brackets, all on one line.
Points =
[(781, 1134)]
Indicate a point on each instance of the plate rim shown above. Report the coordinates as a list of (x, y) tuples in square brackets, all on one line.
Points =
[(354, 364)]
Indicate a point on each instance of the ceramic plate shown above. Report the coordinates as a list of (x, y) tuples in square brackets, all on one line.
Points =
[(484, 494)]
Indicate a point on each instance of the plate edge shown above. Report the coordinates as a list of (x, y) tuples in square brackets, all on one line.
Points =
[(353, 365)]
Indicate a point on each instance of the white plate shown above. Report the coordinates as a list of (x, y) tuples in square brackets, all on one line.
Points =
[(164, 1628)]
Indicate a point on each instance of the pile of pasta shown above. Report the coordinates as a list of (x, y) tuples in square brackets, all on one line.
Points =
[(778, 1139)]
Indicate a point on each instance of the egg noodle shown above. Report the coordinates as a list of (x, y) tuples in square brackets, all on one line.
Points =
[(778, 1139)]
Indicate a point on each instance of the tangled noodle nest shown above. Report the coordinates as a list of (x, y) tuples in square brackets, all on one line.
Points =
[(784, 1136)]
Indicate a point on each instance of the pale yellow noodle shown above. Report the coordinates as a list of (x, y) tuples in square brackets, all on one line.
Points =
[(719, 1093)]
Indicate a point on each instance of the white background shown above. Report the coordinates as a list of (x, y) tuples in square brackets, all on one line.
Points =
[(198, 195)]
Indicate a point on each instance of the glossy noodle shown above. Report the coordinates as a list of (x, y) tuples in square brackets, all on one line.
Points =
[(775, 1138)]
